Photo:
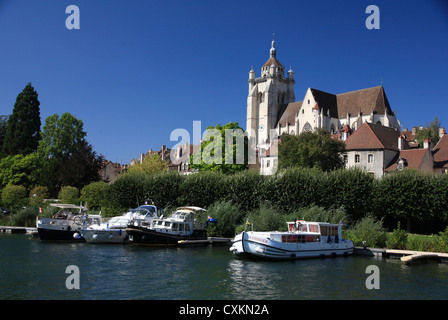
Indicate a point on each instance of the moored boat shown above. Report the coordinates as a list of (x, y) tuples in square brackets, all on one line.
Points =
[(113, 231), (303, 239), (66, 224), (181, 225)]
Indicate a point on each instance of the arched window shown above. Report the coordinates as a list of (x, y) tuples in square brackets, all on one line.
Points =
[(307, 127)]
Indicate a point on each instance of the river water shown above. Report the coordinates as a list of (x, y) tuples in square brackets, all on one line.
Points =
[(35, 270)]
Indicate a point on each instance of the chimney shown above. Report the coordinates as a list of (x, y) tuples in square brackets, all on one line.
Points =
[(442, 132), (414, 130)]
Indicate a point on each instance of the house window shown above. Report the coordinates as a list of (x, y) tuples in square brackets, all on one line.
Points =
[(370, 158), (345, 159), (357, 158)]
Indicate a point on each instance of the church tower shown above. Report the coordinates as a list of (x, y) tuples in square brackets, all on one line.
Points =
[(268, 94)]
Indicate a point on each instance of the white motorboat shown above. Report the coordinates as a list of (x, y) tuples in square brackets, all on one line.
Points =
[(113, 231), (303, 239), (179, 226), (66, 224)]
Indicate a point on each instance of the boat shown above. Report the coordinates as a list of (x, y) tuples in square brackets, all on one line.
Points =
[(303, 239), (181, 225), (66, 224), (113, 231)]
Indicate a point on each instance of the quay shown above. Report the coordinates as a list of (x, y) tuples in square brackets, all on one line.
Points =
[(11, 229), (406, 256), (209, 240)]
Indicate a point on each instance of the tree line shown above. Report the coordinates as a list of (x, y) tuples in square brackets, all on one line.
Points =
[(57, 156)]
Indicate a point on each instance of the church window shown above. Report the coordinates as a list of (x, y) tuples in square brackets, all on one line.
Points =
[(268, 163), (379, 123), (357, 158), (307, 127), (308, 101), (370, 158)]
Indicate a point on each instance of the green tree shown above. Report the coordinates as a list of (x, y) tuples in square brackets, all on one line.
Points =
[(431, 131), (94, 194), (3, 127), (64, 154), (19, 170), (225, 149), (311, 150), (23, 128), (150, 165), (69, 194)]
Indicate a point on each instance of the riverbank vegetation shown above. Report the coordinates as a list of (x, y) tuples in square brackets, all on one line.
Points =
[(372, 210)]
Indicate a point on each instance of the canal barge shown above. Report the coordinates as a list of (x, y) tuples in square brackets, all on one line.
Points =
[(169, 231), (113, 231), (66, 224), (302, 240)]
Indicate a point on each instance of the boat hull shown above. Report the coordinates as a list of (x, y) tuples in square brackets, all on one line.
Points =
[(145, 236), (248, 246), (105, 236), (46, 234)]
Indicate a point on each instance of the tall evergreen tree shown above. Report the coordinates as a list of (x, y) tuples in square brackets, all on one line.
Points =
[(23, 128)]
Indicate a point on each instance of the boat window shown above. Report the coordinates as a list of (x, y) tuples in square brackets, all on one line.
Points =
[(159, 223), (314, 228), (187, 227), (323, 230), (167, 223), (174, 226), (181, 227)]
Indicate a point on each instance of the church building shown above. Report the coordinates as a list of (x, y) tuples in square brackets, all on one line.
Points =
[(272, 110)]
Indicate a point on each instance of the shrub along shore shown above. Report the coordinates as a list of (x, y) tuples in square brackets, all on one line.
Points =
[(382, 212)]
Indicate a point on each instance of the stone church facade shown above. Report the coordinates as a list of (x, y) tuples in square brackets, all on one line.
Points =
[(272, 110)]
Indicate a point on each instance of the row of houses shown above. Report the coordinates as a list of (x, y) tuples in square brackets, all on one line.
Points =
[(375, 148)]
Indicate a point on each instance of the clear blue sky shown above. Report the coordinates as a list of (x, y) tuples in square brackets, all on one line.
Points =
[(137, 70)]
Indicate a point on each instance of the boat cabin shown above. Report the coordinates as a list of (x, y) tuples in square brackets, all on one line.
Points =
[(181, 222), (303, 231)]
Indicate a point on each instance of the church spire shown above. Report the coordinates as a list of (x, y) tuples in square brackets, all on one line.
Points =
[(272, 51)]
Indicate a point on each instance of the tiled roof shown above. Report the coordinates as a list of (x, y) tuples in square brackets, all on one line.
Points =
[(413, 157), (373, 136), (272, 61), (288, 113), (364, 101), (441, 152)]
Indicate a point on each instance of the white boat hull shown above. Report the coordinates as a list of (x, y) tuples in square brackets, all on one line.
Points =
[(105, 236), (252, 245)]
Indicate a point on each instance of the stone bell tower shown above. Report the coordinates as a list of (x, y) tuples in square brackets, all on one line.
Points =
[(267, 95)]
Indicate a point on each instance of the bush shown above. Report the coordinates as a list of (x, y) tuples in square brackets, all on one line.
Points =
[(267, 218), (398, 239), (14, 196), (370, 230), (25, 217), (320, 214), (37, 196), (69, 194), (227, 216)]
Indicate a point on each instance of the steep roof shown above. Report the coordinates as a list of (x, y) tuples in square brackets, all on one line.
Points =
[(272, 61), (288, 113), (326, 101), (364, 101), (373, 136), (441, 152)]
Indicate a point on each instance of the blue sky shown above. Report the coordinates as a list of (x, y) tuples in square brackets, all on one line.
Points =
[(137, 70)]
